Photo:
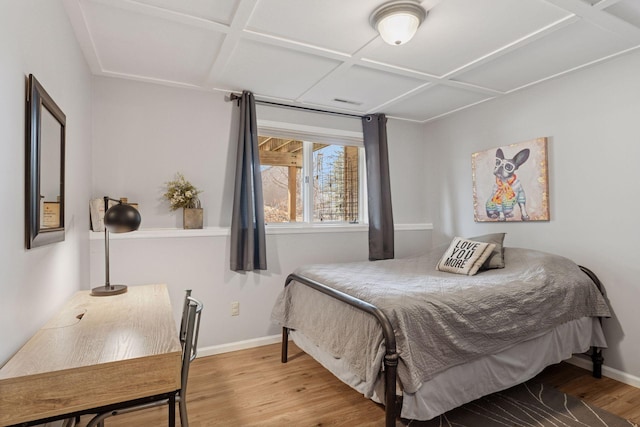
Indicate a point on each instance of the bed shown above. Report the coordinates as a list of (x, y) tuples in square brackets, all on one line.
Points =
[(399, 328)]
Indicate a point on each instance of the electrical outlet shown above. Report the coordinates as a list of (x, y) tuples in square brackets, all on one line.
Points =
[(235, 308)]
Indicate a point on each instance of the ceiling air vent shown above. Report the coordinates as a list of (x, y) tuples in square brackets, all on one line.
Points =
[(346, 101)]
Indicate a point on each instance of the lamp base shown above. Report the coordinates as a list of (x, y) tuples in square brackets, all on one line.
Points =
[(105, 291)]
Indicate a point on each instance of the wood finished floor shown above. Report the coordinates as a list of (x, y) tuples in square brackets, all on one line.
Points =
[(252, 388)]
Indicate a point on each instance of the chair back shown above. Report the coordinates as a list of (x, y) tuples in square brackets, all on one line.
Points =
[(183, 322), (189, 331)]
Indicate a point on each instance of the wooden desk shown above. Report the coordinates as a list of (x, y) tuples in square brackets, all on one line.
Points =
[(97, 351)]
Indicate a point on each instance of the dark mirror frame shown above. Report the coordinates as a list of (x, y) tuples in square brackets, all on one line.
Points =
[(37, 99)]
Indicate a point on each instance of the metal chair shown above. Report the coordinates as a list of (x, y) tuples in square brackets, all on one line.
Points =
[(189, 330)]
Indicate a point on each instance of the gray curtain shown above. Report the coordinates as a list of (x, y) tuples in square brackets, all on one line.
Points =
[(248, 249), (378, 187)]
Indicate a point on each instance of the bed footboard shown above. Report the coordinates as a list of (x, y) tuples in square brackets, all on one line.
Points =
[(596, 352), (391, 355)]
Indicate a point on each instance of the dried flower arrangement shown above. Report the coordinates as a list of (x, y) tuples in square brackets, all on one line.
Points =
[(181, 193)]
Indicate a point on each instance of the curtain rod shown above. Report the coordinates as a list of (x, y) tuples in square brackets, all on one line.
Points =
[(234, 97)]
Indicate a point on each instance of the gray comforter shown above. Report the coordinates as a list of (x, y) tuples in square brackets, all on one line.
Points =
[(440, 319)]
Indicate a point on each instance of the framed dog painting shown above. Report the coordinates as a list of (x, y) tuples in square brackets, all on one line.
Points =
[(510, 183)]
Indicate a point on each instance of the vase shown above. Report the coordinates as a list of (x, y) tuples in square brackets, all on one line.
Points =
[(192, 218)]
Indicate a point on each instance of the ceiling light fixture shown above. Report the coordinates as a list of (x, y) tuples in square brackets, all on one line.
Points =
[(397, 21)]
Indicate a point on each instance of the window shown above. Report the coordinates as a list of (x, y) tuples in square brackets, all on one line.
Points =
[(335, 183), (311, 182), (281, 169)]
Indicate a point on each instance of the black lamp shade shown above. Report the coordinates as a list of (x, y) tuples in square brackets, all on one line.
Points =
[(122, 218)]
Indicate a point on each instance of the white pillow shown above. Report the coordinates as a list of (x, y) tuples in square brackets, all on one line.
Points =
[(465, 256)]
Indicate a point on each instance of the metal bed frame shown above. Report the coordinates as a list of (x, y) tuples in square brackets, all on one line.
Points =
[(391, 355)]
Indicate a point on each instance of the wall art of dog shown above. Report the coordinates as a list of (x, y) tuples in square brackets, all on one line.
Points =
[(507, 190), (511, 188)]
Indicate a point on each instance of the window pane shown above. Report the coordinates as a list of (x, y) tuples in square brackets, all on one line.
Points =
[(335, 183), (281, 169)]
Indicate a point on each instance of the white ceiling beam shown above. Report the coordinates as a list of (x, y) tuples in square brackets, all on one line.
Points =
[(83, 35), (491, 93), (574, 69), (155, 80), (455, 110), (343, 68), (399, 98), (294, 45), (516, 44), (407, 72), (603, 4), (239, 21), (166, 14), (428, 78), (600, 18)]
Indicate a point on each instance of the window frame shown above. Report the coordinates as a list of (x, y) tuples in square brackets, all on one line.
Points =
[(310, 135)]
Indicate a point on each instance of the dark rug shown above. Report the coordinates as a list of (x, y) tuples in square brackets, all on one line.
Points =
[(528, 405)]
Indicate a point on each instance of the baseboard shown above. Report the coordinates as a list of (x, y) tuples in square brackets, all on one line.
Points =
[(238, 345), (612, 373)]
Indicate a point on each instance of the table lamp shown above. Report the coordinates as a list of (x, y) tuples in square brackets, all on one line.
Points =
[(120, 218)]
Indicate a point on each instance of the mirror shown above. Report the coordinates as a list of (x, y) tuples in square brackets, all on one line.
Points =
[(45, 143)]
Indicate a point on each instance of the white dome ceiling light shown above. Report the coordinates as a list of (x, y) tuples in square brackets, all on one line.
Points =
[(397, 21)]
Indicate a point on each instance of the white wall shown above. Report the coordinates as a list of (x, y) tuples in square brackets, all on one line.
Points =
[(144, 133), (591, 119), (202, 264), (36, 38)]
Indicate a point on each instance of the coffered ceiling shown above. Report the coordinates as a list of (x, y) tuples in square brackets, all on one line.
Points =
[(324, 54)]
